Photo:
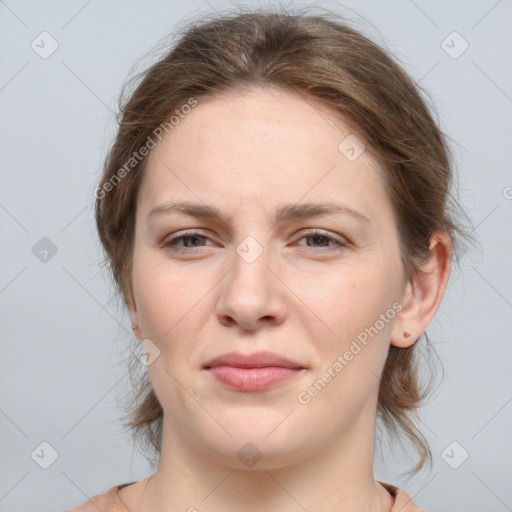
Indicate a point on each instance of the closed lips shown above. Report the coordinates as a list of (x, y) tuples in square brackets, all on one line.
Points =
[(254, 360), (255, 372)]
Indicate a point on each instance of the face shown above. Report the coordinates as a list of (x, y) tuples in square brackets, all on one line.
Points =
[(267, 274)]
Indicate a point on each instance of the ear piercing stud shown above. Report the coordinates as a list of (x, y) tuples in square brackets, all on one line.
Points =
[(134, 326)]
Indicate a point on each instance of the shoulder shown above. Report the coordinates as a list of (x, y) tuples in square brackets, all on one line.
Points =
[(403, 502), (107, 502)]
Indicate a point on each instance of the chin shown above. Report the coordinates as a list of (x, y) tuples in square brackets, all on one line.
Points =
[(253, 455), (255, 444)]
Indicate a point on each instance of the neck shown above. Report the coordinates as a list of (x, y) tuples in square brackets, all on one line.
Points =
[(338, 478)]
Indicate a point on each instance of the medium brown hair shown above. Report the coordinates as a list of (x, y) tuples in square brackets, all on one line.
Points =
[(321, 57)]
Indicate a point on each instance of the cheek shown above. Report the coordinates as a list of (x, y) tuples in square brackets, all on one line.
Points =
[(353, 340), (345, 300), (352, 343), (166, 294), (170, 306)]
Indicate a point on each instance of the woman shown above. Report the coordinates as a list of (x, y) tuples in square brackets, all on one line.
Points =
[(275, 211)]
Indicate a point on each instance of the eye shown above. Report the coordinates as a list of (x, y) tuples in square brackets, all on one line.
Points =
[(191, 240), (319, 239)]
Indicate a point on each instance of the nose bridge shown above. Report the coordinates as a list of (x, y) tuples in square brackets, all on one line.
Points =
[(253, 248), (250, 291), (250, 273)]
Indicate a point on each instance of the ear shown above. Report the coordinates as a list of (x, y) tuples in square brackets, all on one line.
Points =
[(424, 293), (134, 318)]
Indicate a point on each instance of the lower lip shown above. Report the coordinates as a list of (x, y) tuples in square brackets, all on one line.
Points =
[(253, 379)]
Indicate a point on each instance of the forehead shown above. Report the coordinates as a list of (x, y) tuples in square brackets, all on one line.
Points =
[(259, 149)]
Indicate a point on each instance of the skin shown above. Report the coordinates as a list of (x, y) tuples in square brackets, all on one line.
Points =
[(248, 154)]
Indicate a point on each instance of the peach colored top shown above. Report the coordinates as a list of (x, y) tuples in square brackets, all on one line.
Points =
[(110, 502)]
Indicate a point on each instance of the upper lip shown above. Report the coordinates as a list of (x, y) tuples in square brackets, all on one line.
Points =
[(254, 360)]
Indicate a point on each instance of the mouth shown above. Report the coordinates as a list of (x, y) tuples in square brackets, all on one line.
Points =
[(253, 372)]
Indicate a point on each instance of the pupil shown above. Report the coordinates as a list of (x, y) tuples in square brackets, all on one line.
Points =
[(316, 237), (189, 238)]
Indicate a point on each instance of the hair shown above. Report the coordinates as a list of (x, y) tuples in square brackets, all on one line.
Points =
[(321, 57)]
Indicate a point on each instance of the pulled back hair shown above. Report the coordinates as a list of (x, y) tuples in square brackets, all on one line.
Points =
[(321, 57)]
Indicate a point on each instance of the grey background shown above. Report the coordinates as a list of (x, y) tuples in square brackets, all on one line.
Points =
[(65, 343)]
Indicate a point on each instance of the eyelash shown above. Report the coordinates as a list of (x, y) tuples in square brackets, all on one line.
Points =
[(170, 243)]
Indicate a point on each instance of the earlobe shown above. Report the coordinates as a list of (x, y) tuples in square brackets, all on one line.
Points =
[(134, 317), (403, 334), (137, 330), (424, 293)]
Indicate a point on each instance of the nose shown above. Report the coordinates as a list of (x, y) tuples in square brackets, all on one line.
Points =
[(252, 294)]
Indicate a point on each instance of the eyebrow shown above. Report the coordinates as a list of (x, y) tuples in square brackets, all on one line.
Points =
[(286, 212)]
